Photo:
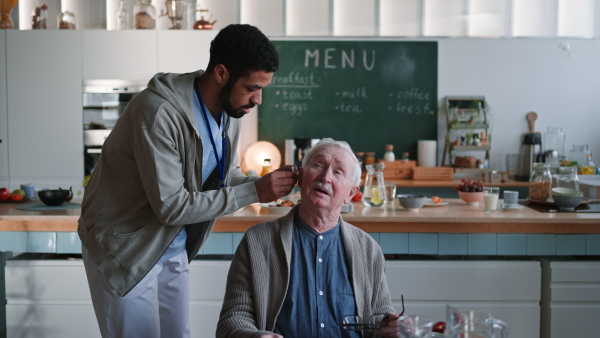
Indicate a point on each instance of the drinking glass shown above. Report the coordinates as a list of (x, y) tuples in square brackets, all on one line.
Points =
[(490, 198), (390, 193), (415, 326), (473, 324)]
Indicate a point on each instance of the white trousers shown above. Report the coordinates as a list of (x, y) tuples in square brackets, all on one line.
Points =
[(157, 307)]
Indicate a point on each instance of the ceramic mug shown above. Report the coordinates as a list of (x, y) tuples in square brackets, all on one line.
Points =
[(29, 190)]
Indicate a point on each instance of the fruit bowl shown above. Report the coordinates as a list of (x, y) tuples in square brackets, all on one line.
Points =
[(412, 202), (53, 197), (472, 198)]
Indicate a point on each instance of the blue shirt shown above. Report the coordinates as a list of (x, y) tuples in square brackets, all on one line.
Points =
[(320, 291), (209, 163)]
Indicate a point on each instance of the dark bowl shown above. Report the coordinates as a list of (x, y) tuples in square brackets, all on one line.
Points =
[(53, 197)]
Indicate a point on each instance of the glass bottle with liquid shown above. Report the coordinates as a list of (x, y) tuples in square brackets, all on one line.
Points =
[(588, 167), (374, 194), (266, 167), (122, 16)]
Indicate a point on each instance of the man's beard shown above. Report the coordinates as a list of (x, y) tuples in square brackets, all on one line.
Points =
[(225, 100)]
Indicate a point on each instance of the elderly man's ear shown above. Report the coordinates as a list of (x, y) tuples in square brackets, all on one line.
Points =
[(353, 192)]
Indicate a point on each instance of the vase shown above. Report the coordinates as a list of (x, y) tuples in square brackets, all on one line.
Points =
[(5, 19)]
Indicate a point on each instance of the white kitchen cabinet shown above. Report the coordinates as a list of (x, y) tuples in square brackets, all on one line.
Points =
[(50, 298), (184, 51), (4, 179), (571, 299), (128, 54), (44, 100), (509, 290)]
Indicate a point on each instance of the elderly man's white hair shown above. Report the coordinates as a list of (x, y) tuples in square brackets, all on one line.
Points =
[(329, 142)]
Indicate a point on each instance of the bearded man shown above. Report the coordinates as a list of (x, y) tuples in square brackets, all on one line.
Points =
[(167, 170)]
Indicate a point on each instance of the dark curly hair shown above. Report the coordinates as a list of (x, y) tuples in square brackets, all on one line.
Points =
[(242, 49)]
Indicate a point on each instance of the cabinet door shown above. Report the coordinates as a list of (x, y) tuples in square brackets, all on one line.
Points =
[(3, 114), (184, 51), (45, 122), (129, 54)]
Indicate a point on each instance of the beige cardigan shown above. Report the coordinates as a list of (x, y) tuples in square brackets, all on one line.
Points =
[(259, 275)]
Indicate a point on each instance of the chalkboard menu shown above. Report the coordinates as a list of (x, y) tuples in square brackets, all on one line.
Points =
[(368, 93)]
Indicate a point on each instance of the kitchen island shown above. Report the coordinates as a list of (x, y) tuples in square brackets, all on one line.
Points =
[(504, 262)]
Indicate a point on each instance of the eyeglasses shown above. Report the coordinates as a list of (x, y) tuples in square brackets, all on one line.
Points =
[(356, 323)]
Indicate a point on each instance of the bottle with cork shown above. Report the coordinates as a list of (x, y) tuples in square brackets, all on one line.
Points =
[(389, 153)]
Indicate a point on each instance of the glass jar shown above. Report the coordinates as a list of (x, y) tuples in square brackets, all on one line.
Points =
[(579, 154), (554, 139), (389, 153), (369, 158), (66, 20), (144, 15), (540, 182), (567, 178), (374, 193)]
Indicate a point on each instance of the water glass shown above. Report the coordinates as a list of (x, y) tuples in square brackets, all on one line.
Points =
[(415, 326), (390, 192), (490, 198)]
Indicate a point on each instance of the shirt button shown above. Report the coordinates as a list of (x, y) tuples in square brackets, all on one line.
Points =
[(320, 260), (321, 293), (320, 237), (322, 325)]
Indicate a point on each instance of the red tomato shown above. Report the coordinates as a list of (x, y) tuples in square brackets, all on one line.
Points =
[(357, 197), (439, 327)]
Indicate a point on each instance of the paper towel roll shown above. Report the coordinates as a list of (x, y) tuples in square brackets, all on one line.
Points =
[(427, 153)]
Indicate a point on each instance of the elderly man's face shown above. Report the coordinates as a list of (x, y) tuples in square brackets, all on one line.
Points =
[(326, 180)]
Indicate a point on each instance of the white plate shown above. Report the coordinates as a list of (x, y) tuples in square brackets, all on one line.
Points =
[(429, 203), (274, 209), (511, 207)]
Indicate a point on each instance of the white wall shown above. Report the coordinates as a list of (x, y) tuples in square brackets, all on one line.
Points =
[(518, 76)]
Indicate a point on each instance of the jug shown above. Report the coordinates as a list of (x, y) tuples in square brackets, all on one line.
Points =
[(473, 324), (374, 194), (530, 153)]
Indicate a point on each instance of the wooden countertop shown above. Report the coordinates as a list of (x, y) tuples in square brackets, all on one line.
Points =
[(456, 217)]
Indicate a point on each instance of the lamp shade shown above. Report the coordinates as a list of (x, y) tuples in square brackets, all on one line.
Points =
[(257, 153)]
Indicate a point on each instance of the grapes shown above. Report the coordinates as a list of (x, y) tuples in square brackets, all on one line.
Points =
[(469, 186)]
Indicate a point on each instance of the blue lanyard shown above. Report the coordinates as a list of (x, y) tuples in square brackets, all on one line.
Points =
[(220, 161)]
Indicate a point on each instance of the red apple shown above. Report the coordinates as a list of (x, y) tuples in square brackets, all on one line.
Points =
[(357, 197), (439, 327), (4, 194)]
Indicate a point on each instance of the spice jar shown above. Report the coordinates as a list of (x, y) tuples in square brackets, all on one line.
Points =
[(39, 17), (389, 153), (540, 182), (66, 20), (144, 15), (369, 158)]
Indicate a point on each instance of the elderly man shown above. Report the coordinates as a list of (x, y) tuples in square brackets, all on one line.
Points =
[(301, 274)]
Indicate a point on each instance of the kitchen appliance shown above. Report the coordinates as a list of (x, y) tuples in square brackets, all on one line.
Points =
[(530, 153), (103, 102), (296, 148)]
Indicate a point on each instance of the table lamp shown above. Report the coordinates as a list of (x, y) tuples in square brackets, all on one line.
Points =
[(256, 154)]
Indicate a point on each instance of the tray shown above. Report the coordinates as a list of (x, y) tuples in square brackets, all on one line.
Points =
[(24, 200), (550, 201)]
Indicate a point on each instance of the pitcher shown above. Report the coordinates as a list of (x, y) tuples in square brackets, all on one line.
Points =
[(374, 194), (473, 324)]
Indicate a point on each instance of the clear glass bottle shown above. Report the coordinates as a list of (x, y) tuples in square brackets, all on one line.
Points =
[(266, 167), (389, 153), (579, 154), (554, 139), (374, 194), (66, 20), (540, 182), (567, 178), (122, 16), (144, 15), (588, 167)]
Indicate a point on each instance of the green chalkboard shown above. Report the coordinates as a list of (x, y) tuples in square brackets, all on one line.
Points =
[(368, 93)]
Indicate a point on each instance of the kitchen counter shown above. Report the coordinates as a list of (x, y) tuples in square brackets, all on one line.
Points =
[(456, 217)]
